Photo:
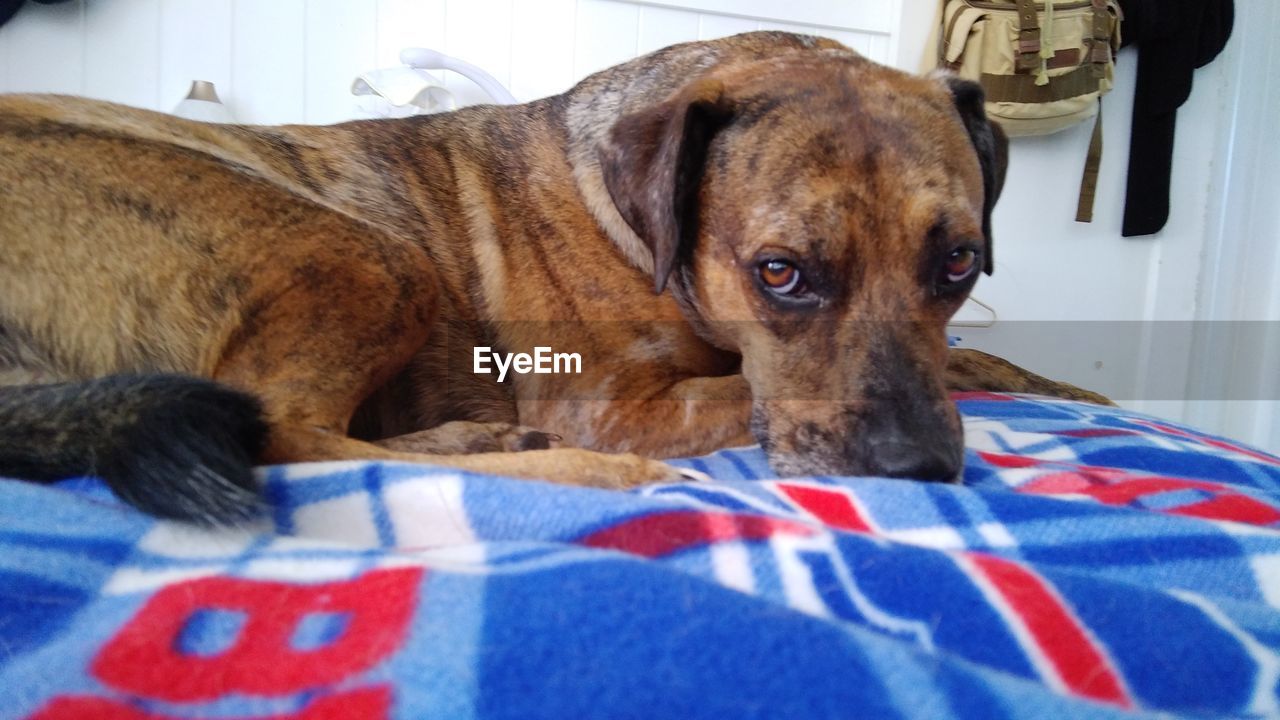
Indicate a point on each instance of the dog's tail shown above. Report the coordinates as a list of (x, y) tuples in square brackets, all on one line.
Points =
[(171, 445)]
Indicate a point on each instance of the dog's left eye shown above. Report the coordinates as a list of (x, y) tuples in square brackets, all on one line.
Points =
[(959, 265), (781, 277)]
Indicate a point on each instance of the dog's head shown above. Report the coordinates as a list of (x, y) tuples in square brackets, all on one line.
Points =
[(824, 217)]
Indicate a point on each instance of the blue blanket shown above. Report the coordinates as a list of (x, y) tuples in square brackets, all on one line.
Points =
[(1095, 563)]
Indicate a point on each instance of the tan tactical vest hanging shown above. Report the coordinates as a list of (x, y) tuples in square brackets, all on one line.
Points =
[(1044, 65)]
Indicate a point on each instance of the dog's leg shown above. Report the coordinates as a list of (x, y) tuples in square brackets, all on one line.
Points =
[(567, 466), (689, 417), (462, 437), (973, 370)]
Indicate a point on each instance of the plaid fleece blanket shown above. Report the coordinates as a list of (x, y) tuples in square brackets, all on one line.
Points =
[(1095, 563)]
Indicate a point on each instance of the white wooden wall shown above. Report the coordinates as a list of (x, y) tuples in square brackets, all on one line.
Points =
[(278, 61)]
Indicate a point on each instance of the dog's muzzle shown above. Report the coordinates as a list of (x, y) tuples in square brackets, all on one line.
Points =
[(925, 445)]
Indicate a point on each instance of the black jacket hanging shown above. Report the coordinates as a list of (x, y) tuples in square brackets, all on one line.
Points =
[(8, 8), (1174, 37)]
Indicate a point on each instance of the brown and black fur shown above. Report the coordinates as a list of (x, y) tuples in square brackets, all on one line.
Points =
[(341, 275)]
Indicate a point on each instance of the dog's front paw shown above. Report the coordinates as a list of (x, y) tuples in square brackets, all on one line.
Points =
[(622, 471), (468, 438), (519, 438)]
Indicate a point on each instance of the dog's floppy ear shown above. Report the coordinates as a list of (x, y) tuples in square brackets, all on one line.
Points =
[(653, 162), (992, 147)]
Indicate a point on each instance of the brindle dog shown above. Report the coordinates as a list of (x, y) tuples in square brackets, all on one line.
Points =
[(784, 227)]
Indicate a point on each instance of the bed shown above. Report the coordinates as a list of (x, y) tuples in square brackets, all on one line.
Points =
[(1094, 563)]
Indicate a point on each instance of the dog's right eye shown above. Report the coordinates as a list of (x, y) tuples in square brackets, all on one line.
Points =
[(959, 265), (781, 277)]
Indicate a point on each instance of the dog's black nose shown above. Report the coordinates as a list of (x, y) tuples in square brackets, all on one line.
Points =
[(902, 458)]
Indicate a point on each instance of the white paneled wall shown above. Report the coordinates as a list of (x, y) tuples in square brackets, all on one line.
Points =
[(278, 61)]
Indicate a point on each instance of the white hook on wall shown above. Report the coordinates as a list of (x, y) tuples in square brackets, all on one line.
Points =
[(401, 92), (427, 59), (410, 90)]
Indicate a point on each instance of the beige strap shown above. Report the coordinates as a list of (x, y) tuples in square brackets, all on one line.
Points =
[(1068, 58), (1028, 18), (1023, 88), (949, 34), (1089, 180), (1100, 48), (1028, 45)]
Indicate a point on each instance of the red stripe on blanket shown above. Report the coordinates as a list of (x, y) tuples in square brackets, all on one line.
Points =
[(978, 395), (1058, 636), (1065, 472), (1093, 432), (1127, 491), (1236, 508), (833, 508), (1211, 442), (1002, 460), (1227, 504), (671, 532)]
